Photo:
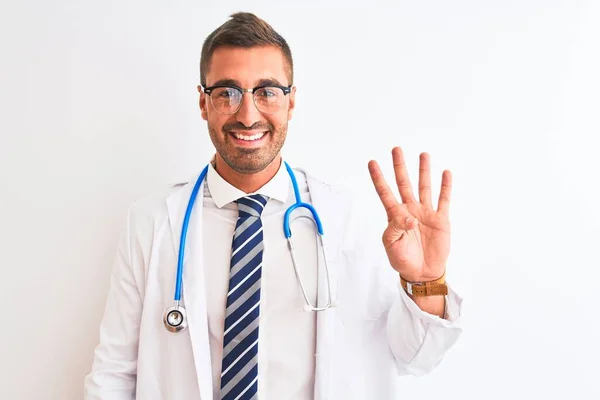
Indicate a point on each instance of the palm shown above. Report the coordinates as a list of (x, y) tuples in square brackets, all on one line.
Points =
[(417, 249)]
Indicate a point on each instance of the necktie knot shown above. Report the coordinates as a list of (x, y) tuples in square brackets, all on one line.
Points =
[(251, 206)]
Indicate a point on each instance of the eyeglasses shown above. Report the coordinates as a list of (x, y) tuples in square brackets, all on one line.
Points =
[(227, 99)]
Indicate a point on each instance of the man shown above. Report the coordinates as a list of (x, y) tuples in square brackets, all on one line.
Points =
[(248, 333)]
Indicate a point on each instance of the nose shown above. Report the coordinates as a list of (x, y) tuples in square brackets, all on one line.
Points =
[(248, 114)]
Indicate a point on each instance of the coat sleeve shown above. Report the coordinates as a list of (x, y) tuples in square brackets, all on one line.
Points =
[(419, 340), (113, 373)]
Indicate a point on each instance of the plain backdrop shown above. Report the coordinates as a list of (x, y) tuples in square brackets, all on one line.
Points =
[(98, 108)]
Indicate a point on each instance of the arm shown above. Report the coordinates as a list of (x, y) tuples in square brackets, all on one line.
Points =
[(417, 245), (113, 374), (416, 338)]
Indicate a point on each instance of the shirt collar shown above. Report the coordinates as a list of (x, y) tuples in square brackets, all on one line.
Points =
[(224, 193)]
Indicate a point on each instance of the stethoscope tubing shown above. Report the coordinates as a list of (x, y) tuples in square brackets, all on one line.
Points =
[(184, 228), (299, 204)]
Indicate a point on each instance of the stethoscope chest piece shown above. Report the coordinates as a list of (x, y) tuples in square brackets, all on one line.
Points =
[(175, 319)]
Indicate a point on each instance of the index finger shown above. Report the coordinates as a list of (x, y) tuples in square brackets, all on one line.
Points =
[(383, 190)]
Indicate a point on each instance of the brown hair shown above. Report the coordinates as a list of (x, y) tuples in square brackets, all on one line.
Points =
[(244, 30)]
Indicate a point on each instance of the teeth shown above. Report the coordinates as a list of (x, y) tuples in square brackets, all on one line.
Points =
[(249, 138)]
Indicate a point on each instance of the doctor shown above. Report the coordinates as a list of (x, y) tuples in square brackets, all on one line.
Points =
[(247, 327)]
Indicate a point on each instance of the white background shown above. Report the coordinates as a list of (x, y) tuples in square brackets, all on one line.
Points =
[(99, 108)]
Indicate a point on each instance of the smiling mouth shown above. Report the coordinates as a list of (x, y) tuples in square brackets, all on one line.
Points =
[(248, 138)]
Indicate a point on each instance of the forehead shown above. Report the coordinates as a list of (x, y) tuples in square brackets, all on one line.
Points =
[(247, 66)]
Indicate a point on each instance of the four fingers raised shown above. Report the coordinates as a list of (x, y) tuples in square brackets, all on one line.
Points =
[(388, 199)]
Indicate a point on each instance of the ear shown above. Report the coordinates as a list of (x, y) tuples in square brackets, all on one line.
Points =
[(203, 104), (292, 102)]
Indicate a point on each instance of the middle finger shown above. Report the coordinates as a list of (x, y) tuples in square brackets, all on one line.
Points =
[(402, 180)]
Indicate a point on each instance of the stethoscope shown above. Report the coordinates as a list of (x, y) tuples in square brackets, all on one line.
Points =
[(175, 318)]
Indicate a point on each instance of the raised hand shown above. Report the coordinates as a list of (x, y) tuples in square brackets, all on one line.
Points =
[(417, 238)]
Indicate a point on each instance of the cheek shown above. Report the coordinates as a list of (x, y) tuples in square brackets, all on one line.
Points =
[(278, 120), (216, 121)]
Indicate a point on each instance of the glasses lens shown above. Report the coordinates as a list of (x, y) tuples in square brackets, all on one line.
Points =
[(226, 100), (269, 99)]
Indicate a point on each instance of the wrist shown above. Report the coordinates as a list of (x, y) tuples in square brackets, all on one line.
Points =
[(421, 278)]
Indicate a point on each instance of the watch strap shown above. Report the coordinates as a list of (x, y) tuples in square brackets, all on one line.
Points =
[(437, 287)]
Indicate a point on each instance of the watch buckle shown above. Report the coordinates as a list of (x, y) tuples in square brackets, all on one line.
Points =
[(410, 285)]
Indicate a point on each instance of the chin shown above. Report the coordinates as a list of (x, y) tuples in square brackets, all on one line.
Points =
[(249, 163)]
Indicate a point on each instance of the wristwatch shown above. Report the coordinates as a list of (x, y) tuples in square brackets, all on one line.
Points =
[(437, 287)]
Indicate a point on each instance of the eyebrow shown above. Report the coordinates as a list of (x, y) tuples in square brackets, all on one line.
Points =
[(261, 82), (269, 82), (226, 82)]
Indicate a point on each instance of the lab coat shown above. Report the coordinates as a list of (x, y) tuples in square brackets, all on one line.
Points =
[(375, 335)]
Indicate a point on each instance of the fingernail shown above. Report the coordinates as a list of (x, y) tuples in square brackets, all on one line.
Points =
[(409, 220)]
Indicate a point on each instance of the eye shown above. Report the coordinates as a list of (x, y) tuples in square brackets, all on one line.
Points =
[(225, 93), (268, 92)]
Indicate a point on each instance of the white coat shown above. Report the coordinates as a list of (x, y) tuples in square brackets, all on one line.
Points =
[(375, 335)]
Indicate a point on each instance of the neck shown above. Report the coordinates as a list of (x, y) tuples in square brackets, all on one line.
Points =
[(247, 183)]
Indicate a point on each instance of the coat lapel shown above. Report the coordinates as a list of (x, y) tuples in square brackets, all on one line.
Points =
[(193, 296), (328, 203)]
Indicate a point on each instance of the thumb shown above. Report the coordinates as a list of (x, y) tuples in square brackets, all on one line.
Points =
[(404, 224)]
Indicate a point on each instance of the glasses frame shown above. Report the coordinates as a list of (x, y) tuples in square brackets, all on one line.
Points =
[(208, 90)]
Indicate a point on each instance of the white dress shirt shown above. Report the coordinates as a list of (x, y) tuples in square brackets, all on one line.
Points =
[(287, 333)]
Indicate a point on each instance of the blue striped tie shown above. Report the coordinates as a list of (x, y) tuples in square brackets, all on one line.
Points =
[(239, 370)]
